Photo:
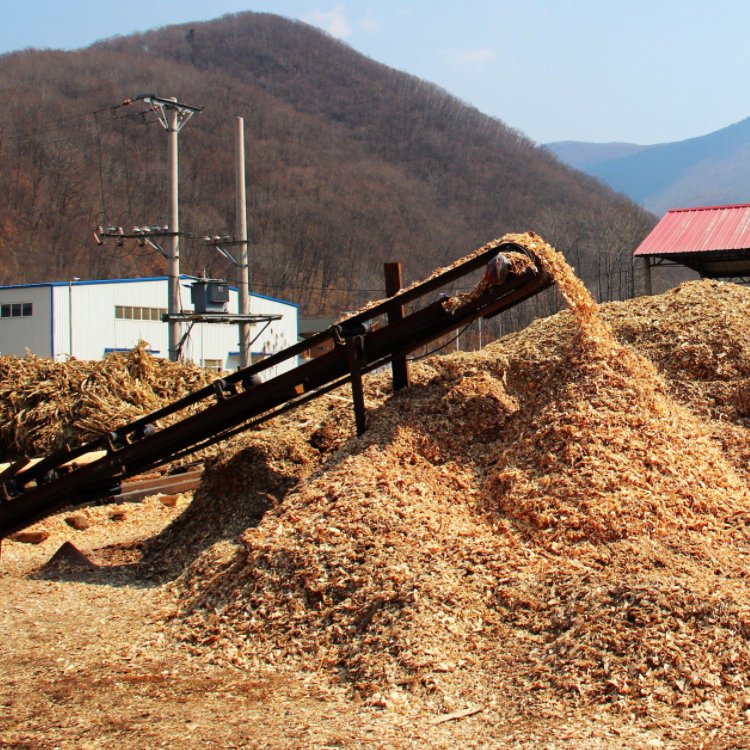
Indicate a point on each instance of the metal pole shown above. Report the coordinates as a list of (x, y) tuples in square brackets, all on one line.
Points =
[(70, 319), (458, 334), (243, 269), (173, 115), (173, 260), (70, 316)]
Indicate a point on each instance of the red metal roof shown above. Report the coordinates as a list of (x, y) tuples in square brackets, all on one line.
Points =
[(702, 229)]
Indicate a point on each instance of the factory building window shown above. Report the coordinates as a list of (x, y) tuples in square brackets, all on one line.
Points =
[(17, 310), (216, 365), (128, 312)]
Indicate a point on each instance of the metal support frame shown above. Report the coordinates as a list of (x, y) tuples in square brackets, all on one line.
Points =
[(219, 317), (707, 264), (649, 288), (222, 243), (143, 235), (355, 357)]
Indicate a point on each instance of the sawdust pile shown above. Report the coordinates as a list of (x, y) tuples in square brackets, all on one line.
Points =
[(45, 405), (254, 472), (551, 519)]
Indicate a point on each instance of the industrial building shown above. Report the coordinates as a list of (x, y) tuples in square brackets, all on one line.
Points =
[(89, 319)]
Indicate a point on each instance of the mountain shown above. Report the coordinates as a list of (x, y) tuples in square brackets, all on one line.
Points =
[(582, 155), (713, 169), (350, 163)]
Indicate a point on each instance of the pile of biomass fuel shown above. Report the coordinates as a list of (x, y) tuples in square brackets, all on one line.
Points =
[(549, 520), (254, 472), (45, 405)]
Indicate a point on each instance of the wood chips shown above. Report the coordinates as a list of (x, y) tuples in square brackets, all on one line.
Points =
[(45, 405), (555, 522), (547, 536)]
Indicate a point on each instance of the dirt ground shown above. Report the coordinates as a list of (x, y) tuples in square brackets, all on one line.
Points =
[(84, 663)]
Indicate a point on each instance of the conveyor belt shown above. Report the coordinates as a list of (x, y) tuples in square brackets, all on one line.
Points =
[(32, 491)]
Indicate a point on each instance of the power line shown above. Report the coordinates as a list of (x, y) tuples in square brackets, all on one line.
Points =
[(381, 290), (64, 123), (101, 171), (127, 171), (442, 346)]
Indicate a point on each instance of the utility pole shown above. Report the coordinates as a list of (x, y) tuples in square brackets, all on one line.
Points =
[(173, 115), (70, 315), (243, 267)]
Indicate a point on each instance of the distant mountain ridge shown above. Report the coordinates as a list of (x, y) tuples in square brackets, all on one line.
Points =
[(582, 155), (713, 169)]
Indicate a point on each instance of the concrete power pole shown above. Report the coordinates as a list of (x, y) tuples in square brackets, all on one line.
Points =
[(173, 116), (243, 268)]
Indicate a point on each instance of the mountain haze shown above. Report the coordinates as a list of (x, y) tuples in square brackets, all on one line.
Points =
[(350, 163), (713, 169)]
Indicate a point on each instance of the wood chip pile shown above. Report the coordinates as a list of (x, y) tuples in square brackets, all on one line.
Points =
[(46, 404), (553, 520), (254, 472)]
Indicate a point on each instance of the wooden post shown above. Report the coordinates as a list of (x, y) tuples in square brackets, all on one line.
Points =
[(647, 276), (354, 355), (399, 365)]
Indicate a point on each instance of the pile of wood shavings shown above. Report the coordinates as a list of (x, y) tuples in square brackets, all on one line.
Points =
[(45, 405), (542, 521), (255, 471)]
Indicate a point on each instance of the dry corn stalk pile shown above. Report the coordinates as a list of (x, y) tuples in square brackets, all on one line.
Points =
[(46, 404), (550, 520)]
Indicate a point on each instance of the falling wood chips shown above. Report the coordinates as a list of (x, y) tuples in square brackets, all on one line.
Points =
[(561, 517), (45, 405)]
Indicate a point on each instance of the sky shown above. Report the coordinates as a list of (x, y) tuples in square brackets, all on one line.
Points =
[(637, 71)]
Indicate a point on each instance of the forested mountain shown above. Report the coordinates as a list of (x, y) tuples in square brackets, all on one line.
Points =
[(712, 169), (350, 163)]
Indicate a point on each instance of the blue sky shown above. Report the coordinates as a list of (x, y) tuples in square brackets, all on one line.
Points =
[(643, 71)]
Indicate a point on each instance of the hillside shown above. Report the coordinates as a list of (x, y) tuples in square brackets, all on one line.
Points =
[(709, 170), (350, 163)]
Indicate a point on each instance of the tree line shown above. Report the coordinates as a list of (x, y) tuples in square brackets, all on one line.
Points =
[(350, 164)]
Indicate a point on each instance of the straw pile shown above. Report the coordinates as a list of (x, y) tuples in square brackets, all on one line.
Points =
[(551, 519), (45, 405)]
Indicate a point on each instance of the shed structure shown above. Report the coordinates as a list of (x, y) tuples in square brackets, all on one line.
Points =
[(713, 241)]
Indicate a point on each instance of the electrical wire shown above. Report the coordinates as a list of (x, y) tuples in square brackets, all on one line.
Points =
[(147, 159), (141, 118), (381, 290), (101, 171), (127, 171), (442, 346), (54, 127)]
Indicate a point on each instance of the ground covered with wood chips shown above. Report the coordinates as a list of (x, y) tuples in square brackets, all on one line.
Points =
[(540, 545)]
